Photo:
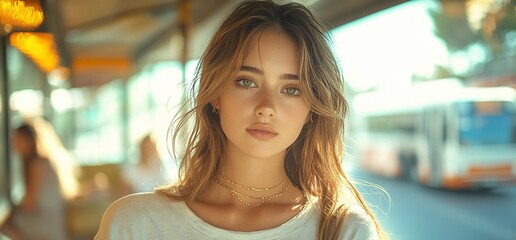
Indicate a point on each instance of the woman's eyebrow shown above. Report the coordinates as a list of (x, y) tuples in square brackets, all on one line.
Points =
[(285, 76), (251, 69), (288, 76)]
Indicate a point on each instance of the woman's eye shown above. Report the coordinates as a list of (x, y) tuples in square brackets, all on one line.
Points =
[(291, 91), (246, 83)]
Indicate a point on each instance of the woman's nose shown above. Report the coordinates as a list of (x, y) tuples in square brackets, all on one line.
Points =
[(265, 106)]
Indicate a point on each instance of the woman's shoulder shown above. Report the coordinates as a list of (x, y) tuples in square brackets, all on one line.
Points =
[(358, 224), (136, 203), (133, 212), (136, 198)]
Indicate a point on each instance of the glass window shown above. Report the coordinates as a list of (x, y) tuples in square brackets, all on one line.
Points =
[(100, 127), (486, 122)]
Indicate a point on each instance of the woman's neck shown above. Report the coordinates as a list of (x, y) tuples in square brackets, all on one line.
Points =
[(252, 171), (30, 157)]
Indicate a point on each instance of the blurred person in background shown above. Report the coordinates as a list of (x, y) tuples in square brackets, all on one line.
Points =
[(50, 146), (147, 173), (41, 212)]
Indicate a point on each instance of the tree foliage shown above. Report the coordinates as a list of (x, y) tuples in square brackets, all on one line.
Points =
[(496, 34)]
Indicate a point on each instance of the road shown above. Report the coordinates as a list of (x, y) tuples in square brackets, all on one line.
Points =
[(411, 211)]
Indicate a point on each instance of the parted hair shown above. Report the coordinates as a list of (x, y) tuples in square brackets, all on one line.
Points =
[(313, 161)]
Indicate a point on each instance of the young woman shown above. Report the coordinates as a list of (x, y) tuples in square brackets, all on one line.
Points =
[(263, 156)]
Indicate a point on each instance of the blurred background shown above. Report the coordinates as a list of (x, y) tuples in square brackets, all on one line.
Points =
[(431, 85)]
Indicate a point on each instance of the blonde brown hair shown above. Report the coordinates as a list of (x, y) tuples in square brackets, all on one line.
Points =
[(313, 161)]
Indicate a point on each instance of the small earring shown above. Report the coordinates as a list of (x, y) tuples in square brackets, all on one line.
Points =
[(215, 110)]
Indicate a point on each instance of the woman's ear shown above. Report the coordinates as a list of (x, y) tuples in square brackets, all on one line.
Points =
[(215, 104)]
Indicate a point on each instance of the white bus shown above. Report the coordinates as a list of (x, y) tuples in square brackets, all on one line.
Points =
[(439, 133)]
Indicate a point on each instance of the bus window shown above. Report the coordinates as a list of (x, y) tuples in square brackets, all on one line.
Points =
[(489, 108), (400, 123), (486, 122)]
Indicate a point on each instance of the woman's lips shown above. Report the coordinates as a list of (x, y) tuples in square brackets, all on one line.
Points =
[(262, 131)]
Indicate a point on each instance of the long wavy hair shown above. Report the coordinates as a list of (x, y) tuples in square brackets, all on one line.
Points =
[(313, 161)]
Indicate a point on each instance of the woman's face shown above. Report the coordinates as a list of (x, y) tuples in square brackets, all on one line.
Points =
[(262, 111), (22, 145)]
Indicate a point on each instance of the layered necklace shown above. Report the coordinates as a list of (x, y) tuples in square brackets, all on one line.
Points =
[(250, 200)]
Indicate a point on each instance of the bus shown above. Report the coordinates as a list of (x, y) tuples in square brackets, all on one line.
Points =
[(439, 133)]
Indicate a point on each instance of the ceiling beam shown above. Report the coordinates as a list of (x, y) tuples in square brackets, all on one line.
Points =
[(102, 21)]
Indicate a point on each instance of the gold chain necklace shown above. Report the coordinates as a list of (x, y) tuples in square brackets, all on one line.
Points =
[(253, 188), (262, 199)]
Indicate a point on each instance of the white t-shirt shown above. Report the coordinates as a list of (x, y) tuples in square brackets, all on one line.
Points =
[(153, 216)]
